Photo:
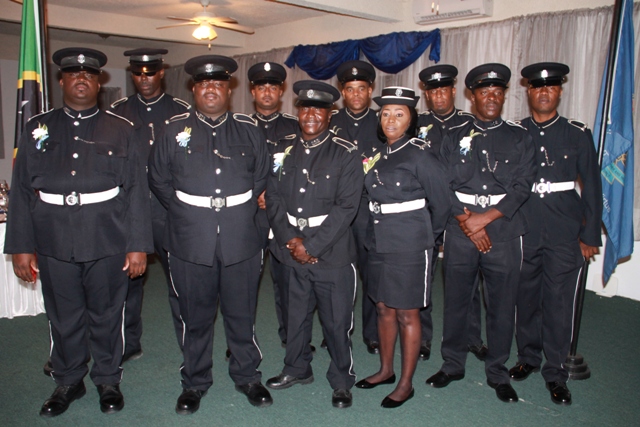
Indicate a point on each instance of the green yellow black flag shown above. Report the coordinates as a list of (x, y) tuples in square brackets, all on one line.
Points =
[(32, 87)]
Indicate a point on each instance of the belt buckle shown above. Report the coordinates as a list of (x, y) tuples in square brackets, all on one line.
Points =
[(71, 199), (482, 201), (217, 202), (376, 208), (543, 187), (302, 223)]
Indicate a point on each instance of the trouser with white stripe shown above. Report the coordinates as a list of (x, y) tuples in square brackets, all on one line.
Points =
[(199, 288), (333, 291), (545, 304), (84, 303)]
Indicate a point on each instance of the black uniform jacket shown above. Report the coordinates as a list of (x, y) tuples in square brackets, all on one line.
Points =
[(321, 177), (407, 171), (84, 152), (432, 127), (490, 158), (212, 158), (565, 150), (361, 129)]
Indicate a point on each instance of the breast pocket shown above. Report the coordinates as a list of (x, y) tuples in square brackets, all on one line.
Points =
[(325, 182), (40, 161), (111, 157), (504, 162), (243, 157), (567, 159)]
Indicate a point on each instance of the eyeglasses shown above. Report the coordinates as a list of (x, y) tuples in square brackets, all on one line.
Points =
[(84, 74), (148, 74)]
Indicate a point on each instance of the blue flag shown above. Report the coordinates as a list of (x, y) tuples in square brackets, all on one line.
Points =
[(617, 160)]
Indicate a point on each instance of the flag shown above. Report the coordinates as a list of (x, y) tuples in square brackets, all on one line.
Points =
[(32, 88), (617, 155)]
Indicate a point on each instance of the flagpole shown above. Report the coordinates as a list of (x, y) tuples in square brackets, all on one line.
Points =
[(44, 82), (575, 365)]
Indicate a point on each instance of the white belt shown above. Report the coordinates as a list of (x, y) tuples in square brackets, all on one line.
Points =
[(214, 202), (391, 208), (552, 187), (79, 198), (301, 223), (482, 200)]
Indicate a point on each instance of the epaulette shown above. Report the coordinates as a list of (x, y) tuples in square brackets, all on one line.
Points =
[(577, 123), (177, 117), (425, 113), (464, 113), (39, 114), (517, 124), (334, 112), (350, 146), (420, 143), (243, 118), (292, 136), (119, 101), (289, 116), (458, 126), (185, 104), (111, 113)]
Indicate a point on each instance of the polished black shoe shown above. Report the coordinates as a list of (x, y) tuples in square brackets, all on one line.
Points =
[(366, 384), (341, 398), (61, 398), (227, 355), (135, 355), (504, 391), (373, 347), (48, 368), (111, 399), (425, 351), (560, 394), (189, 401), (521, 371), (440, 379), (283, 381), (388, 402), (312, 348), (323, 344), (479, 351), (256, 393)]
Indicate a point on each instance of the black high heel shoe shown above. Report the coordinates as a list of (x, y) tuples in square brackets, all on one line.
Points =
[(367, 385), (388, 402)]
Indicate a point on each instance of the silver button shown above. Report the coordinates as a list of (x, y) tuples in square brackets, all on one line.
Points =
[(217, 191), (355, 124), (541, 179), (384, 157), (302, 190), (484, 187), (541, 149), (373, 185), (75, 155), (355, 141), (110, 153), (375, 221), (542, 133), (214, 134), (484, 169), (75, 137), (328, 177), (542, 196), (304, 171), (148, 108), (462, 160), (218, 171), (506, 161), (76, 123), (299, 209), (484, 151), (189, 151), (266, 126), (73, 173), (307, 151), (397, 184), (542, 164), (151, 142), (566, 157)]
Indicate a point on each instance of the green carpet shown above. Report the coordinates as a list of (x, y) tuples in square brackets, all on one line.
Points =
[(609, 341)]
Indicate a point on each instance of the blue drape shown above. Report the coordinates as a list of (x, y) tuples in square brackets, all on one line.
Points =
[(390, 53)]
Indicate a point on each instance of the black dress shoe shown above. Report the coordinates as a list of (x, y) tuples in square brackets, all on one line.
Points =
[(227, 355), (48, 368), (366, 384), (341, 398), (189, 401), (504, 391), (373, 347), (256, 393), (479, 351), (560, 394), (425, 351), (522, 370), (61, 398), (283, 381), (134, 355), (312, 348), (440, 379), (111, 399), (388, 402)]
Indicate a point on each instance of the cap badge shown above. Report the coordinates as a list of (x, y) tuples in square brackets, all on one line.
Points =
[(81, 59), (544, 74), (436, 76), (493, 75), (267, 67), (310, 93), (145, 58), (208, 68), (354, 71), (398, 92)]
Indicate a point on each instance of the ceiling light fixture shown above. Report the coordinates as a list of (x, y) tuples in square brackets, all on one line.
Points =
[(205, 32)]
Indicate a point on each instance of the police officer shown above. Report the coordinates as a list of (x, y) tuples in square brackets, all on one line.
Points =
[(440, 93), (491, 167), (313, 194), (80, 203), (208, 169), (148, 109), (267, 81), (357, 123), (564, 229)]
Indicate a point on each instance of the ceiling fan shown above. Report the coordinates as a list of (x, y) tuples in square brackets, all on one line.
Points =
[(206, 21)]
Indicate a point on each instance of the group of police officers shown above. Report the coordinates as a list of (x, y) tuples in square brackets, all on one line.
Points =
[(209, 190)]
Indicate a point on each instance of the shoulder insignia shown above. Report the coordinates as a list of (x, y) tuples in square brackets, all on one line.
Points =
[(39, 115), (292, 136), (420, 143), (350, 146), (289, 116), (516, 124), (464, 113), (185, 104), (459, 126), (111, 113), (425, 113), (177, 117), (119, 101), (239, 117), (577, 123), (334, 112)]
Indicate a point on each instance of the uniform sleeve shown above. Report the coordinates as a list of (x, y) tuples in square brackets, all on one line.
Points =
[(346, 206), (591, 195), (277, 211), (20, 238), (261, 171), (433, 178), (139, 210), (160, 180)]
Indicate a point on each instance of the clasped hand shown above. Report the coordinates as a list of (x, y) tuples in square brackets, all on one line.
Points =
[(299, 253)]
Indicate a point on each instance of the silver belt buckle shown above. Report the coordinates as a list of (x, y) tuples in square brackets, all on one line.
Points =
[(543, 187), (376, 208), (71, 199), (302, 223), (217, 202), (482, 201)]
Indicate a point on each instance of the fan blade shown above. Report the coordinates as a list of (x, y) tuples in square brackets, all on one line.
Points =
[(235, 27), (226, 19), (177, 25), (177, 18)]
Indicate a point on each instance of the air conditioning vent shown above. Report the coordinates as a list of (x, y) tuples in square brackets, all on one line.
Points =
[(432, 11)]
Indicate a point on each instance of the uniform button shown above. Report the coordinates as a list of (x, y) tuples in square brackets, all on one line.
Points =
[(566, 157), (110, 153), (302, 190), (75, 155), (484, 169), (397, 184), (75, 137), (506, 161), (76, 123), (304, 171), (355, 141), (541, 179), (484, 134), (73, 173), (299, 209), (148, 108), (284, 173), (242, 154), (218, 171), (484, 151), (217, 191), (384, 157), (541, 149), (355, 124), (374, 185), (542, 133), (542, 196), (462, 160), (150, 142), (328, 177), (484, 187), (542, 164), (214, 134), (375, 221), (189, 151), (307, 151), (266, 126)]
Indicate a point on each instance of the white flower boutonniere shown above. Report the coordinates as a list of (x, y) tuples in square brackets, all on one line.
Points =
[(184, 137), (278, 160), (424, 131), (368, 162), (40, 134), (465, 143)]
